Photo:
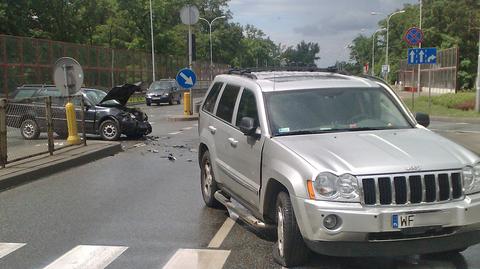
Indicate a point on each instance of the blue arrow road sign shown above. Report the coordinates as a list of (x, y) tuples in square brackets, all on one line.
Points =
[(186, 78), (422, 56)]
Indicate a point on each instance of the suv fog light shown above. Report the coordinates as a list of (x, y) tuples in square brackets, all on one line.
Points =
[(331, 222)]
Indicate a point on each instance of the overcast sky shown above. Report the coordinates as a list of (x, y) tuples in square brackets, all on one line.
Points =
[(333, 24)]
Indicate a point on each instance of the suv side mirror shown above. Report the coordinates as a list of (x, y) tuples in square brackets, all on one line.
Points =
[(422, 119), (247, 126)]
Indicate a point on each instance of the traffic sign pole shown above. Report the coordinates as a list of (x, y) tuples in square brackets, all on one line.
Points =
[(420, 46), (477, 103)]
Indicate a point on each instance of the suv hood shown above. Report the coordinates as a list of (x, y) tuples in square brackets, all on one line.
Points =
[(376, 152), (121, 93)]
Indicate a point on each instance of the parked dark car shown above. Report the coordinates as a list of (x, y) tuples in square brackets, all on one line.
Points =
[(163, 91), (106, 114)]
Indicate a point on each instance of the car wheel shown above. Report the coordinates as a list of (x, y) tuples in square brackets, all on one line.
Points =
[(290, 249), (148, 103), (170, 101), (208, 184), (109, 130), (29, 129)]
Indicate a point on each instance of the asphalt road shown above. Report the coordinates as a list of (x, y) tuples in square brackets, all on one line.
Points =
[(147, 212)]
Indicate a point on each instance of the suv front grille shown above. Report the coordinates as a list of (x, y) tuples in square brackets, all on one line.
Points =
[(412, 188)]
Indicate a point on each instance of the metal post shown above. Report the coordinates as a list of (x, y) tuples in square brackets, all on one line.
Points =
[(477, 103), (3, 132), (211, 53), (82, 107), (153, 43), (420, 45), (373, 54), (48, 114), (430, 90), (113, 67), (386, 49)]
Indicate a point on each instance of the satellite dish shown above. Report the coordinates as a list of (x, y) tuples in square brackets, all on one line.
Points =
[(189, 15), (68, 76)]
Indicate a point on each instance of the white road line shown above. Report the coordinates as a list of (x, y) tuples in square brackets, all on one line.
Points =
[(187, 128), (198, 259), (222, 233), (456, 131), (174, 133), (7, 248), (87, 257)]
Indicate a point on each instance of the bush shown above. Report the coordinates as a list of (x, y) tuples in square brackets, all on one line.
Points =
[(461, 100)]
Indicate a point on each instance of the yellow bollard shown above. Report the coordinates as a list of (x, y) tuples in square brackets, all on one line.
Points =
[(73, 138), (186, 104)]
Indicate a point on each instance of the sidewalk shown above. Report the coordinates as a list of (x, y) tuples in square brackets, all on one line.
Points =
[(34, 168)]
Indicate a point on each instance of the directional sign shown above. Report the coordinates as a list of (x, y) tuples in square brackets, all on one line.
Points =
[(422, 56), (186, 78), (413, 36)]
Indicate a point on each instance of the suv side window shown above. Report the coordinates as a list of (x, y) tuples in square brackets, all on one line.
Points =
[(247, 107), (212, 97), (227, 102)]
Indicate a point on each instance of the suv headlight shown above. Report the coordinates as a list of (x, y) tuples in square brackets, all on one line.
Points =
[(471, 179), (328, 186)]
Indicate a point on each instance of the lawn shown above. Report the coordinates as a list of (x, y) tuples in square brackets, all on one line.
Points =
[(449, 105)]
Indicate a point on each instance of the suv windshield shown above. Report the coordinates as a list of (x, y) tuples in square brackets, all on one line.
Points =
[(333, 110)]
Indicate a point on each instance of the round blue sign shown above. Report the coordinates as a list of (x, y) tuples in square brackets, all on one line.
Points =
[(186, 78)]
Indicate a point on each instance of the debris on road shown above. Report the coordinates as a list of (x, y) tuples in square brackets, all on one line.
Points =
[(171, 157)]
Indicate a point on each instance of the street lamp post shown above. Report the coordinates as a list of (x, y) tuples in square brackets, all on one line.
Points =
[(388, 28), (153, 44), (211, 45), (373, 49)]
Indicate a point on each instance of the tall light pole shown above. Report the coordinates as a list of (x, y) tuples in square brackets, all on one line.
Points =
[(477, 103), (153, 44), (420, 45), (211, 45), (373, 49), (387, 37), (386, 49)]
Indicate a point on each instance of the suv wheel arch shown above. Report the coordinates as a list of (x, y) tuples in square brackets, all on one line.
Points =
[(274, 187)]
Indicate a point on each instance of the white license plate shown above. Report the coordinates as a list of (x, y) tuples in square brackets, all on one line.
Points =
[(403, 221)]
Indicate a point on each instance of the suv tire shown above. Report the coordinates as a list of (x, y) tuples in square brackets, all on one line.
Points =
[(290, 249), (109, 130), (207, 182), (148, 103), (29, 129)]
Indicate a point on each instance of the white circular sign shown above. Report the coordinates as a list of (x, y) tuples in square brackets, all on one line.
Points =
[(68, 76), (189, 15)]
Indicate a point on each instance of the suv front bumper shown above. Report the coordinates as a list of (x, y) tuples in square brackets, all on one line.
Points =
[(368, 231)]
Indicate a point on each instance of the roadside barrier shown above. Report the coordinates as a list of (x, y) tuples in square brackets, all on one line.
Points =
[(34, 126)]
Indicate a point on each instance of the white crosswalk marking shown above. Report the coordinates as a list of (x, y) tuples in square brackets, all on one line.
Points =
[(198, 259), (7, 248), (87, 257)]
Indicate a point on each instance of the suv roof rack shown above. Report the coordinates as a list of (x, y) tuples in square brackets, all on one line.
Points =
[(247, 72)]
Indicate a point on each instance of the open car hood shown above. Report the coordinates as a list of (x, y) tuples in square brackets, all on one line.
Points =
[(121, 93)]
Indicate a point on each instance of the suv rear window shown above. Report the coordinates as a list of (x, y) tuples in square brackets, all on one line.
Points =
[(212, 97), (227, 102)]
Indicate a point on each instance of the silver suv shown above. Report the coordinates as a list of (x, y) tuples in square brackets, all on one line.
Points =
[(335, 164)]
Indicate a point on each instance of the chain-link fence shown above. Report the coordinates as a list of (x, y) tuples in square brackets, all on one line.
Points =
[(35, 126), (30, 61), (435, 78)]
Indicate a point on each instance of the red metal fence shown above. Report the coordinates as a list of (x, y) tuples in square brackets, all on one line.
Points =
[(26, 60)]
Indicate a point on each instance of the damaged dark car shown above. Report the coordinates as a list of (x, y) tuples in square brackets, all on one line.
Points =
[(106, 114)]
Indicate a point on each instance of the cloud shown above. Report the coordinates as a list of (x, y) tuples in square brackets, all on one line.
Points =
[(333, 24)]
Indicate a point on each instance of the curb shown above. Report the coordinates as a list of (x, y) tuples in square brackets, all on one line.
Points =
[(452, 119), (183, 118), (43, 170)]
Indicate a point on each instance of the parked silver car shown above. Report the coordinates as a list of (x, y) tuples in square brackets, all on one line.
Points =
[(335, 164)]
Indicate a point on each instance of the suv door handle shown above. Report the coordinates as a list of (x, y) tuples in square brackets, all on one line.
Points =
[(233, 142), (212, 129)]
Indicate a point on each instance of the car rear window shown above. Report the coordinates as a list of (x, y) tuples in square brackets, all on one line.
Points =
[(212, 97), (24, 93), (227, 102)]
